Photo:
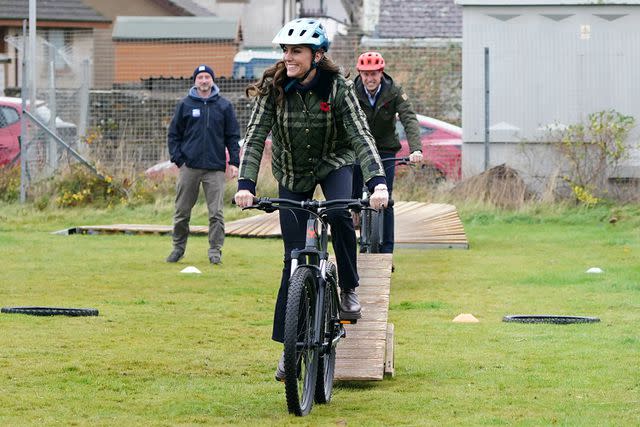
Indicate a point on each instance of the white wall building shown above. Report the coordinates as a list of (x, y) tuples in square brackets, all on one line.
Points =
[(550, 62)]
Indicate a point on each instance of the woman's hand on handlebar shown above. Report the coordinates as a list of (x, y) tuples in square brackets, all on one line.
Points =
[(415, 157), (244, 198), (380, 197)]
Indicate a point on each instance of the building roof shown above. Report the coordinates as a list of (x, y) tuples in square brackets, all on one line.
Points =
[(192, 7), (423, 19), (546, 2), (175, 27), (50, 10)]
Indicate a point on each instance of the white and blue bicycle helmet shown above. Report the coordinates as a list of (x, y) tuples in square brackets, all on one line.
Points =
[(305, 31)]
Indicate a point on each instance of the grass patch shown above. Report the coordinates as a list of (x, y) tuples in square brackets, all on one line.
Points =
[(174, 349)]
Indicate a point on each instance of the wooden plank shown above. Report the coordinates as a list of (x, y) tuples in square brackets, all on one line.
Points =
[(358, 370), (361, 354), (414, 221)]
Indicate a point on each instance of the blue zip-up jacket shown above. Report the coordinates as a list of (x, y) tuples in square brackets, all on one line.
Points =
[(200, 131)]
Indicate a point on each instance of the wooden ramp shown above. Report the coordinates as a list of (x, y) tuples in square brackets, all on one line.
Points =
[(367, 351), (417, 224)]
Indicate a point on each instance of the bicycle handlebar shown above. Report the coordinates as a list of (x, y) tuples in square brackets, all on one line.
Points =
[(269, 204), (400, 160)]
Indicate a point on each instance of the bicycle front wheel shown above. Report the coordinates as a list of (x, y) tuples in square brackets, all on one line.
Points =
[(329, 334), (300, 349), (376, 232)]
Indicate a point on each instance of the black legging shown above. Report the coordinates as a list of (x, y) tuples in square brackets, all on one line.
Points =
[(337, 185)]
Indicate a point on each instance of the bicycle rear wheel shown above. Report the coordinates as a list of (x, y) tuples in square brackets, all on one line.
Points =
[(300, 349), (330, 331)]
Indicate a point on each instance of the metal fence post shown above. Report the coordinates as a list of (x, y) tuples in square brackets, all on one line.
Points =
[(486, 108), (23, 118), (84, 107), (52, 145), (32, 53)]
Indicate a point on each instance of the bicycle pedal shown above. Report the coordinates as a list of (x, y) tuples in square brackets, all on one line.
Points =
[(348, 321)]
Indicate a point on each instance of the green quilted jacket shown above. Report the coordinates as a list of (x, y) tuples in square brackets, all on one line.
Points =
[(382, 117), (315, 132)]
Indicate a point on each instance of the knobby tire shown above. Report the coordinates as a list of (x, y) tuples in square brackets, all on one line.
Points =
[(51, 311), (376, 218), (330, 329), (549, 318), (370, 232), (300, 351)]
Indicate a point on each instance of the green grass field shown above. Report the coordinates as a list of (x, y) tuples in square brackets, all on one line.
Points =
[(177, 349)]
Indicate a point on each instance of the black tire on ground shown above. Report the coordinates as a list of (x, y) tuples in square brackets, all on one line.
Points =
[(300, 353), (51, 311), (547, 318), (330, 330)]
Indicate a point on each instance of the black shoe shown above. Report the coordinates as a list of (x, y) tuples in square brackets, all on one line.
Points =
[(280, 369), (175, 256), (350, 308), (215, 257)]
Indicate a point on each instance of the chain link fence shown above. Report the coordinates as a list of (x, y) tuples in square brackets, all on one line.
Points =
[(114, 98)]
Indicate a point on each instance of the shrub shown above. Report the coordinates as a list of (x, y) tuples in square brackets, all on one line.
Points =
[(591, 151), (80, 187), (9, 183)]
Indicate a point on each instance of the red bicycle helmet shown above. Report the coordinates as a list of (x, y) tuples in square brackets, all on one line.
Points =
[(370, 61)]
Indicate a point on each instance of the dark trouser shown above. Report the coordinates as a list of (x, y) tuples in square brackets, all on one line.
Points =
[(187, 190), (388, 236), (293, 224)]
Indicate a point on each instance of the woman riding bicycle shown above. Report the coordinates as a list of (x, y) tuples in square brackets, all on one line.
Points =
[(317, 131)]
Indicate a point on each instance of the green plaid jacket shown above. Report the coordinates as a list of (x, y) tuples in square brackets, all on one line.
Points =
[(382, 118), (314, 133)]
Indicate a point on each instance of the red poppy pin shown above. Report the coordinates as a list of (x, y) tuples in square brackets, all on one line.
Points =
[(325, 106)]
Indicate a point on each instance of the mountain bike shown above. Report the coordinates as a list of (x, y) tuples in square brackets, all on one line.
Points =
[(313, 326), (372, 221)]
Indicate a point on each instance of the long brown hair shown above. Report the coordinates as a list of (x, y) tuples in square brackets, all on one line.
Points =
[(273, 78)]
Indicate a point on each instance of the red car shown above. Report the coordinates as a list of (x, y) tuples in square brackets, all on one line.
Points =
[(441, 146), (10, 114)]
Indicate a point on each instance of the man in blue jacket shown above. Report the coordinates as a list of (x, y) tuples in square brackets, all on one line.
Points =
[(203, 126)]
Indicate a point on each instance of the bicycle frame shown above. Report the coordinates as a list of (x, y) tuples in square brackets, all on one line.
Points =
[(367, 245), (315, 252)]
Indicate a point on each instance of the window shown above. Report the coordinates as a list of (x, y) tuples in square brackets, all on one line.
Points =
[(8, 116), (59, 40)]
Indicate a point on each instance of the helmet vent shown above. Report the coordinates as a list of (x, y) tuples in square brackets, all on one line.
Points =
[(302, 32), (290, 31)]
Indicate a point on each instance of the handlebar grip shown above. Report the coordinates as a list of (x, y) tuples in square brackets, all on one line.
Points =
[(255, 200)]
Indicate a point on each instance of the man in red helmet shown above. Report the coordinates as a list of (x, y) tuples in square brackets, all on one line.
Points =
[(380, 99)]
